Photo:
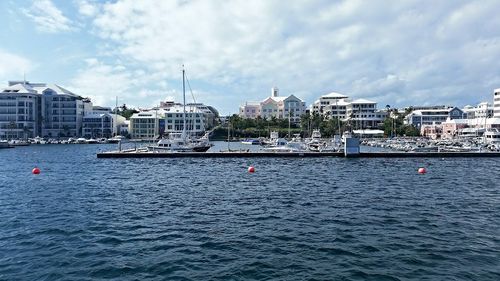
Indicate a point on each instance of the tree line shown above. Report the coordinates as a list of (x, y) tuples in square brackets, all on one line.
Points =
[(262, 127)]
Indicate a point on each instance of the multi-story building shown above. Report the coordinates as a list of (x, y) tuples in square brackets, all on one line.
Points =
[(251, 110), (482, 110), (97, 125), (20, 108), (434, 115), (364, 114), (496, 102), (361, 113), (275, 106), (101, 125), (199, 118), (62, 111), (147, 124), (40, 109), (332, 105)]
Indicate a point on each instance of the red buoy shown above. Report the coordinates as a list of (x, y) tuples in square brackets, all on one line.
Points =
[(251, 169), (422, 170), (35, 171)]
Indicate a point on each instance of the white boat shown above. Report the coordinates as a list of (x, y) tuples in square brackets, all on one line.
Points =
[(80, 140), (115, 139), (176, 142), (38, 140), (251, 141), (181, 142), (91, 141), (491, 136), (5, 144), (288, 147), (315, 143), (19, 143)]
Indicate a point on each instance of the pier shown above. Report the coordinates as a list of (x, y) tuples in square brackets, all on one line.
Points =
[(139, 154)]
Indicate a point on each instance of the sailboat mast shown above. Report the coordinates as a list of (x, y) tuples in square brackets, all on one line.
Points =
[(184, 102)]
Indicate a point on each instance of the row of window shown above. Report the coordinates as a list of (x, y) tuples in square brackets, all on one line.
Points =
[(64, 112), (188, 115), (180, 127)]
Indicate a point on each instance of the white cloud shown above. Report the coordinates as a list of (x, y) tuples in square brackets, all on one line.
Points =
[(402, 53), (47, 17), (13, 67), (87, 8), (102, 82)]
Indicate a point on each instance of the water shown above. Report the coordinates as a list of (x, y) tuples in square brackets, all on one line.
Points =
[(85, 218)]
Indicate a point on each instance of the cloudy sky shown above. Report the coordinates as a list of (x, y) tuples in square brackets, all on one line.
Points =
[(394, 52)]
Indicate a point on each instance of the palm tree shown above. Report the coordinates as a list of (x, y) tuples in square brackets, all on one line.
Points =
[(26, 131), (12, 126), (66, 130)]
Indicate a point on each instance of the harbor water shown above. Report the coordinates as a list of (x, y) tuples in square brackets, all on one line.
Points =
[(84, 218)]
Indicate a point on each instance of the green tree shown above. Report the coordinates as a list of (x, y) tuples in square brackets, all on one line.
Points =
[(12, 126), (26, 131)]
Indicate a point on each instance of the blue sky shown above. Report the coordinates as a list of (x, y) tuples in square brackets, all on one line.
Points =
[(399, 53)]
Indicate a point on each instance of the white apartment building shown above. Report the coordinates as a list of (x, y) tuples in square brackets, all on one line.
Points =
[(20, 106), (199, 118), (332, 105), (496, 103), (42, 109), (482, 110), (146, 124), (361, 113), (433, 115), (275, 106)]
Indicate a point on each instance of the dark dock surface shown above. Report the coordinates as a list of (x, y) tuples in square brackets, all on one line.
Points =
[(133, 154)]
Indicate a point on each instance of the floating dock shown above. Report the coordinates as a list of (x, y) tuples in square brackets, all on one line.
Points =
[(238, 154)]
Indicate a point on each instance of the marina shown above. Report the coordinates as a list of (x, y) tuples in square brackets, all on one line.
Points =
[(240, 154)]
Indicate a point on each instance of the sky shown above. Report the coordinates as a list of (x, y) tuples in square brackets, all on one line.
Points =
[(396, 53)]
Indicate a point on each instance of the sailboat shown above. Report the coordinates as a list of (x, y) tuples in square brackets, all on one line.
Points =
[(181, 142)]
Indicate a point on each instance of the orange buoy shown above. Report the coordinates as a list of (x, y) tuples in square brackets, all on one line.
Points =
[(422, 170), (35, 171), (251, 169)]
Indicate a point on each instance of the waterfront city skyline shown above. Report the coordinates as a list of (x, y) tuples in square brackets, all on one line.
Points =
[(393, 53)]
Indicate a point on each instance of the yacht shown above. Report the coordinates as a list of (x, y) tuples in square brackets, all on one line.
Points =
[(315, 143), (492, 136), (180, 142)]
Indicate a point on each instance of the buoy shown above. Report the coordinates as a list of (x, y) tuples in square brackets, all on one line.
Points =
[(422, 170), (35, 171), (251, 169)]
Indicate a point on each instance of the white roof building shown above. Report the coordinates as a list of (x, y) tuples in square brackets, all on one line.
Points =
[(362, 113), (496, 102), (275, 106)]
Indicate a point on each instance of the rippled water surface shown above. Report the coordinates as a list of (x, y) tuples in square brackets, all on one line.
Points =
[(85, 218)]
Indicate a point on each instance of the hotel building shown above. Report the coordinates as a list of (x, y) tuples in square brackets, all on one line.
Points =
[(39, 109), (361, 112), (199, 118), (496, 103), (433, 115), (275, 106), (20, 108)]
